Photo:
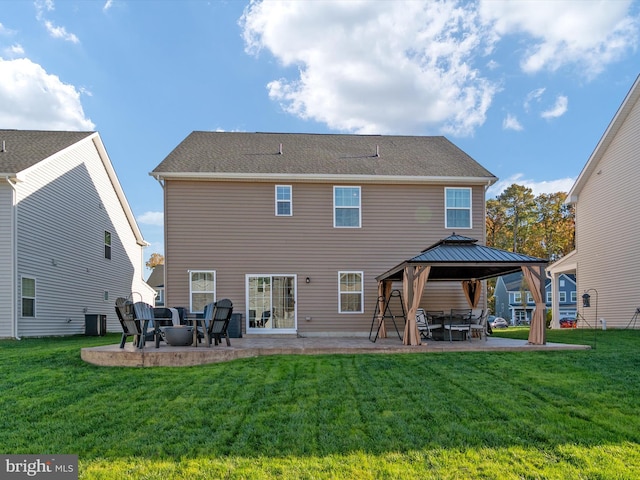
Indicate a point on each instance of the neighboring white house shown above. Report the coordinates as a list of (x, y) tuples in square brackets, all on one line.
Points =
[(606, 198), (69, 243)]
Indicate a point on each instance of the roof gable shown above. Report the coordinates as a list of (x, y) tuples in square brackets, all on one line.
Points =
[(240, 155)]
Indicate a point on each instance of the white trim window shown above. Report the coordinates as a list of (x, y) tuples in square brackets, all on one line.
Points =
[(28, 293), (515, 298), (202, 289), (284, 201), (107, 245), (457, 208), (574, 296), (350, 292), (548, 297), (347, 211), (563, 297)]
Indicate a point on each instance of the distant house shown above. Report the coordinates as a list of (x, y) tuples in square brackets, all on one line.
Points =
[(69, 243), (156, 281), (294, 228), (514, 302), (606, 199)]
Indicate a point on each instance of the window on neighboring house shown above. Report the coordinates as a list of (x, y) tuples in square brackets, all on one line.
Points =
[(107, 245), (202, 289), (346, 207), (529, 297), (574, 296), (283, 201), (105, 296), (548, 297), (457, 207), (159, 297), (28, 297), (350, 292), (515, 297), (563, 297)]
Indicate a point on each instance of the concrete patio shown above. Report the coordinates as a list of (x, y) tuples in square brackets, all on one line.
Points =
[(254, 346)]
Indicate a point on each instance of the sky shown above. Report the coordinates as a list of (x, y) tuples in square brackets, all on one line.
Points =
[(526, 88)]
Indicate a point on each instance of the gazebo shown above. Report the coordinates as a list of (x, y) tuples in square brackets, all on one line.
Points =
[(459, 258)]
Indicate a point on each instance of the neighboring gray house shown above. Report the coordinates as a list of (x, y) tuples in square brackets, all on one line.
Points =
[(69, 243), (295, 228), (156, 281), (606, 199), (513, 300)]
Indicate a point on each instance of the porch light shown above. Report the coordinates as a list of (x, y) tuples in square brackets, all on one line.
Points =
[(586, 300)]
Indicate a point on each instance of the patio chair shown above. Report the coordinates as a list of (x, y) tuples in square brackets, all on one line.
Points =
[(480, 328), (425, 327), (144, 314), (130, 326), (220, 321)]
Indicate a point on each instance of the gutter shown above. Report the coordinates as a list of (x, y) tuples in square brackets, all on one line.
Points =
[(14, 259)]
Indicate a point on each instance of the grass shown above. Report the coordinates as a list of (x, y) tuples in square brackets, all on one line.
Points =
[(490, 415)]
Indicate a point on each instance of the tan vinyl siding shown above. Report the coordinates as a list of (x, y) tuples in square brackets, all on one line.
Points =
[(607, 229), (230, 227)]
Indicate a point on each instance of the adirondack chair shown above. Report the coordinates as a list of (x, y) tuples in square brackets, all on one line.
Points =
[(219, 322), (130, 326)]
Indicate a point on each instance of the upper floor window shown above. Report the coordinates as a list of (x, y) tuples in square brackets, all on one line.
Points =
[(574, 296), (350, 292), (563, 297), (283, 201), (346, 207), (548, 297), (28, 297), (529, 297), (515, 297), (202, 289), (457, 207), (107, 245)]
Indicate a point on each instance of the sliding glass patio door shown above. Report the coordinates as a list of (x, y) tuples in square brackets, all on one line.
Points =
[(271, 303)]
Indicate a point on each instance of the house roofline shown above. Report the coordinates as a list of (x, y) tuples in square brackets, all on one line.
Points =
[(321, 178)]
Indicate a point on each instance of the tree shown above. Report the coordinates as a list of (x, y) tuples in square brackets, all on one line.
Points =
[(155, 260), (519, 204)]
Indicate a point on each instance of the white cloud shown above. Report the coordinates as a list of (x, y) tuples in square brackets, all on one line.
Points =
[(33, 99), (60, 32), (45, 6), (533, 96), (559, 109), (107, 5), (565, 32), (13, 51), (151, 218), (375, 67), (413, 67), (512, 123), (546, 186)]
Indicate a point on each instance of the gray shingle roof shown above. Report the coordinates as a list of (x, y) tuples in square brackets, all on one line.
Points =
[(219, 153), (25, 148)]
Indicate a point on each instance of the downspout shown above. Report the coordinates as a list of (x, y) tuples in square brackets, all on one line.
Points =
[(162, 182), (14, 258)]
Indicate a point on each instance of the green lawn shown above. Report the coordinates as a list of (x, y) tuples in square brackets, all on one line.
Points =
[(451, 415)]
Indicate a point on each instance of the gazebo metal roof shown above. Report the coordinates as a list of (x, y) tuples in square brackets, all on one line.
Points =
[(460, 258)]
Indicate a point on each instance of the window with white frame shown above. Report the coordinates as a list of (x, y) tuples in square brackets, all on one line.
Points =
[(28, 297), (202, 289), (457, 207), (548, 297), (515, 297), (574, 296), (529, 297), (283, 201), (563, 297), (346, 207), (350, 292)]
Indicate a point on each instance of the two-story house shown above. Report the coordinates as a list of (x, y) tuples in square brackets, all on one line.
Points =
[(606, 199), (294, 228), (514, 302), (69, 243)]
